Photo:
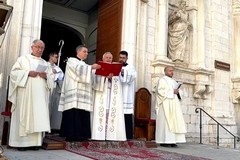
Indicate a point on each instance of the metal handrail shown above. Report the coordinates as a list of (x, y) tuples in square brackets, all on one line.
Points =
[(236, 138)]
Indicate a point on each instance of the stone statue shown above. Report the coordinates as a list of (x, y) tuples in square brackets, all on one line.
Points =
[(178, 29)]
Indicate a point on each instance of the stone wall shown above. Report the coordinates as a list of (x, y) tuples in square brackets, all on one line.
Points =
[(204, 85)]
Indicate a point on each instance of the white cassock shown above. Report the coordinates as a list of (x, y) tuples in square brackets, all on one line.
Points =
[(77, 86), (170, 125), (108, 98), (128, 80), (56, 85), (76, 100), (29, 97)]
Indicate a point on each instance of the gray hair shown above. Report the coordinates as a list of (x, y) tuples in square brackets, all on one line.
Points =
[(106, 54), (36, 41)]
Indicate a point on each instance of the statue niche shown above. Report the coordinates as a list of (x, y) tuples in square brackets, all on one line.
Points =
[(178, 32)]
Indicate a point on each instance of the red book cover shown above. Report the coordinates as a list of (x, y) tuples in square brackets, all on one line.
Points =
[(107, 68)]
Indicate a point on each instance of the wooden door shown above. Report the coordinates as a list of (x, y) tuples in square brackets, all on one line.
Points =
[(109, 31)]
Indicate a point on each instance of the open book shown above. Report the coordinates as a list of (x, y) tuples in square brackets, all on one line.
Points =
[(179, 84), (107, 68), (41, 68)]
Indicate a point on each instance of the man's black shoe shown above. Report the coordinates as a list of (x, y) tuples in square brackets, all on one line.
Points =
[(165, 145), (35, 148), (21, 149), (173, 145)]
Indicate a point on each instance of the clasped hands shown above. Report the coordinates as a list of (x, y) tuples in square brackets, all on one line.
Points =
[(35, 74)]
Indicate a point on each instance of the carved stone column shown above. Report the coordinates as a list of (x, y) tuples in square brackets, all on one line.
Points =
[(236, 34), (200, 34), (141, 45), (236, 55), (32, 20), (162, 29), (25, 25), (129, 28)]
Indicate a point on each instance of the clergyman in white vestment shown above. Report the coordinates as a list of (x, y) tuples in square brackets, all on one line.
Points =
[(127, 77), (76, 101), (108, 115), (57, 79), (29, 94), (170, 125)]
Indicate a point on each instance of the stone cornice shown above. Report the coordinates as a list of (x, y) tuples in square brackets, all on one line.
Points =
[(236, 90), (200, 78)]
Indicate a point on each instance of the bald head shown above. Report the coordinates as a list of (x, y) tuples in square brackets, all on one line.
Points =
[(168, 71)]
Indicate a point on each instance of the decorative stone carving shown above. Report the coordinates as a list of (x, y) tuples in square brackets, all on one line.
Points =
[(236, 7), (178, 31), (199, 79), (235, 96), (202, 86), (3, 1), (236, 90), (145, 1), (199, 89), (202, 91)]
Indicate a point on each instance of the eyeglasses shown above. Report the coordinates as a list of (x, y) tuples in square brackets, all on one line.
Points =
[(39, 47)]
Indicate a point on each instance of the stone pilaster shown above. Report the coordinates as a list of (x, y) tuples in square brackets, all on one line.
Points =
[(31, 27), (200, 35), (162, 29), (141, 45), (236, 34), (129, 29), (236, 50)]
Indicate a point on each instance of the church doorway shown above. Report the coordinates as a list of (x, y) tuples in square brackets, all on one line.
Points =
[(52, 33)]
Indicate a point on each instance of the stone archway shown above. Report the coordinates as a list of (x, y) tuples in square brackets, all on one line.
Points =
[(52, 32)]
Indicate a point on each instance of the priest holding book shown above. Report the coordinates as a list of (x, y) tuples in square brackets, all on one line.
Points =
[(170, 125), (76, 101), (108, 116)]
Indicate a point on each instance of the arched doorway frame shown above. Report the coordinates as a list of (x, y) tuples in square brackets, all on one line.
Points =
[(52, 32)]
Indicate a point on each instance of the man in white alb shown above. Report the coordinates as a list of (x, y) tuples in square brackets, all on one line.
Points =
[(170, 125), (127, 77), (29, 94)]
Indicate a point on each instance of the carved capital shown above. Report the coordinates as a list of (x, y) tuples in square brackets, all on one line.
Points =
[(202, 91), (3, 1), (198, 90), (202, 86), (236, 91), (236, 7), (145, 1), (235, 96)]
